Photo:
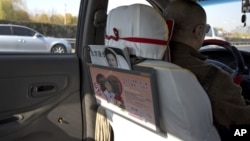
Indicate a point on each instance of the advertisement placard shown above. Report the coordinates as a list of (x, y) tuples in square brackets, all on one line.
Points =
[(129, 93)]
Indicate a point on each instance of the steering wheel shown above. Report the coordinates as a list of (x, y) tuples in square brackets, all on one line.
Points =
[(240, 68), (240, 72)]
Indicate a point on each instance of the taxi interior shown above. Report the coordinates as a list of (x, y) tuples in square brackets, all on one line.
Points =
[(52, 97)]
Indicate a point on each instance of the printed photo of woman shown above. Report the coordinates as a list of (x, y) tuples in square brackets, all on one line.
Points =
[(115, 60)]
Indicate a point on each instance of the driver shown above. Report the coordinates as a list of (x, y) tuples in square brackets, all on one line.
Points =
[(228, 105)]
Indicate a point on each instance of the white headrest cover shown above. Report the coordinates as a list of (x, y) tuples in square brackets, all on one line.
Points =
[(139, 27)]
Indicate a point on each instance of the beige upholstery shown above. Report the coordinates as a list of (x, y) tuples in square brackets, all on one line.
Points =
[(185, 107)]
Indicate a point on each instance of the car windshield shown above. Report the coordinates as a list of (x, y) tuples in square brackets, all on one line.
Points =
[(225, 21)]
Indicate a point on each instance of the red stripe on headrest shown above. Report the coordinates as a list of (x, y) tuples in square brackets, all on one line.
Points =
[(136, 39), (145, 40)]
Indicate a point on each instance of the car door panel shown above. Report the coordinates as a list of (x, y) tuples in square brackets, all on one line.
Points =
[(31, 44), (8, 43), (40, 97)]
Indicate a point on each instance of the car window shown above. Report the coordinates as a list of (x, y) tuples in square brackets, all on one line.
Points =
[(55, 22), (5, 30), (20, 31)]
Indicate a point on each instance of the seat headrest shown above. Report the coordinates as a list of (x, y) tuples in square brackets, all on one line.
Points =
[(140, 28)]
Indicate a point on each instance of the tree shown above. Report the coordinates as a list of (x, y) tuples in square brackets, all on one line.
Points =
[(74, 20), (57, 19), (22, 15), (68, 18), (6, 9), (9, 9), (43, 18)]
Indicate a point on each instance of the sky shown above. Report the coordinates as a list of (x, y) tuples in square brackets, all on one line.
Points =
[(53, 6), (71, 6), (227, 16)]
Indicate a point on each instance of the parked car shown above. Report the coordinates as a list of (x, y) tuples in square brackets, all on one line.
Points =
[(16, 38)]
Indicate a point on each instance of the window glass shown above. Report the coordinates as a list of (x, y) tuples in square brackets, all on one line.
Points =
[(5, 30), (225, 18), (51, 18), (20, 31)]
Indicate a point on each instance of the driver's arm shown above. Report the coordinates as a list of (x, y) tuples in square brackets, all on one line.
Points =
[(228, 104)]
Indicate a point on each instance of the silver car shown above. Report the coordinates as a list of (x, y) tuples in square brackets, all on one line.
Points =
[(16, 38)]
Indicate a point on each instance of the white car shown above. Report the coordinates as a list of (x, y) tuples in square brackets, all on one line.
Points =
[(214, 33), (16, 38)]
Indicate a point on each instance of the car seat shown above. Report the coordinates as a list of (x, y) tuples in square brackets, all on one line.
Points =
[(184, 107)]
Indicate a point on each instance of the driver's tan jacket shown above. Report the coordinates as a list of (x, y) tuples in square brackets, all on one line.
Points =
[(228, 105)]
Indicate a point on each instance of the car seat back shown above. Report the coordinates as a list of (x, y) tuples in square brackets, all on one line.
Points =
[(184, 107)]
